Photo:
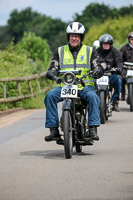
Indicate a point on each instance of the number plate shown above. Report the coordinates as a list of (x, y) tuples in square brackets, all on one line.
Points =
[(129, 72), (104, 80), (70, 91)]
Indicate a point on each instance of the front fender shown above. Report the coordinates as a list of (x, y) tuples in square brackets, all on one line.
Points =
[(66, 105), (102, 87)]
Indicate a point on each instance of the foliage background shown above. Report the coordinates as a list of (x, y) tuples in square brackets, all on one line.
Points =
[(117, 27), (29, 38)]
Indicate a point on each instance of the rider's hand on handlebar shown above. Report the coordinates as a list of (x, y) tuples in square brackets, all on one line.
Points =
[(96, 73), (119, 71), (50, 75)]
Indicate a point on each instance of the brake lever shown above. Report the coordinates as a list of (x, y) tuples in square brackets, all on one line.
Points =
[(84, 76)]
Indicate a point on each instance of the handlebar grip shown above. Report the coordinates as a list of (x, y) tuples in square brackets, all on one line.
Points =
[(49, 74), (58, 80)]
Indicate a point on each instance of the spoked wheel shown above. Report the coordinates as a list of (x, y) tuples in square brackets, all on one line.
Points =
[(68, 134), (102, 107), (81, 130), (131, 97)]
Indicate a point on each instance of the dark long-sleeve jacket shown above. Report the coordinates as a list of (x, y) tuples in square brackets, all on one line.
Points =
[(127, 53), (111, 57)]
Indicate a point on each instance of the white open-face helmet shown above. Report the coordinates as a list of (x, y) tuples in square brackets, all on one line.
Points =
[(96, 44), (130, 35), (75, 28)]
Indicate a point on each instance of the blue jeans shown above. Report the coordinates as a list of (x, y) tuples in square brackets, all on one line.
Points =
[(88, 94), (115, 82)]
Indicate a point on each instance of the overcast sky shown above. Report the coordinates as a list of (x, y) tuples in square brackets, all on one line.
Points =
[(63, 9)]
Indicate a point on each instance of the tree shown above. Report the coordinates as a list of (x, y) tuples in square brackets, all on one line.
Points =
[(118, 28), (53, 30), (126, 10), (5, 38), (20, 22), (48, 29), (30, 21), (94, 13), (35, 47)]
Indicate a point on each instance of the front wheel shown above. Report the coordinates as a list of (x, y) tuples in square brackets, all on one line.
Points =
[(130, 94), (68, 133), (102, 107)]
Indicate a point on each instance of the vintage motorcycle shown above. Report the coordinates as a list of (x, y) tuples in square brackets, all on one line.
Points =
[(129, 79), (73, 120), (104, 92)]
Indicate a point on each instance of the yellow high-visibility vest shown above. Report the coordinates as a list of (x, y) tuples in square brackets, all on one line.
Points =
[(66, 62)]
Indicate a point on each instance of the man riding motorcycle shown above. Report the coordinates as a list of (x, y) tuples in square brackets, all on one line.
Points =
[(75, 55), (127, 55), (112, 58)]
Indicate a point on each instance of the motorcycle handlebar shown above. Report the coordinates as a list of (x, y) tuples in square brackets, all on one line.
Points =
[(51, 75), (128, 63)]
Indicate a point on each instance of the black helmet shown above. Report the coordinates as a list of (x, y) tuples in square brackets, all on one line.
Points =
[(75, 28), (130, 35), (106, 38)]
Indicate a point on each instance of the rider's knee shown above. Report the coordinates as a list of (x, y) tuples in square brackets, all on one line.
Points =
[(48, 97), (92, 96)]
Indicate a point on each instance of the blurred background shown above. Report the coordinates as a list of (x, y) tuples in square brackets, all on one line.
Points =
[(31, 30)]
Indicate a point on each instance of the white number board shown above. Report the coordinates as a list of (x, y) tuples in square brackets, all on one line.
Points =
[(104, 80), (129, 72), (70, 91)]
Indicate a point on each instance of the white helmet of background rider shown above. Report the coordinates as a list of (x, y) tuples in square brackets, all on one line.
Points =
[(96, 44), (130, 35), (75, 28)]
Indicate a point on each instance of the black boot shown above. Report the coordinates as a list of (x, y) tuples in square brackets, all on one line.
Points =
[(54, 135), (93, 133), (123, 97), (116, 106)]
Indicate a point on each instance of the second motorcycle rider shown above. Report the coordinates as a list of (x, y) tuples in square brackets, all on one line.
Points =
[(113, 59)]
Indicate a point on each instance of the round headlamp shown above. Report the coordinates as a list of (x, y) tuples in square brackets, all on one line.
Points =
[(68, 78)]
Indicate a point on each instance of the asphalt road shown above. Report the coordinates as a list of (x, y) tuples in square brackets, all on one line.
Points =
[(31, 169)]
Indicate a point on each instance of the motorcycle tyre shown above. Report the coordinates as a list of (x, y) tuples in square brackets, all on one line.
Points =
[(131, 97), (68, 134), (102, 107)]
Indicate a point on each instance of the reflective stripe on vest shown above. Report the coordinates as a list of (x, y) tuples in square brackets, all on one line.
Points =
[(82, 61)]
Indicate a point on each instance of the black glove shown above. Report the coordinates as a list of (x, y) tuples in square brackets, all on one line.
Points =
[(97, 73), (50, 74)]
